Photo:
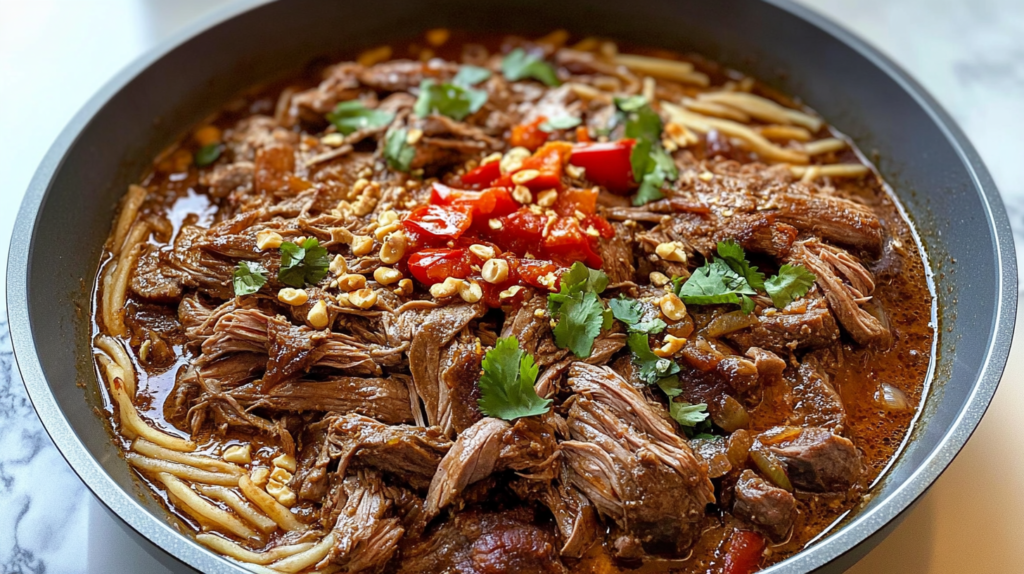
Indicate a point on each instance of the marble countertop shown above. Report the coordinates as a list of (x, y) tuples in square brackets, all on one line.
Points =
[(55, 53)]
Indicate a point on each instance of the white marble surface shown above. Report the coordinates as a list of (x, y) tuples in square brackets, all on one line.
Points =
[(55, 53)]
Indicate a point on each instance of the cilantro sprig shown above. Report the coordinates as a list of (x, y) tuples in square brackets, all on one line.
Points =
[(301, 264), (693, 418), (581, 313), (471, 75), (449, 99), (397, 152), (352, 116), (652, 368), (652, 166), (632, 313), (520, 64), (559, 123), (731, 279), (208, 154), (506, 386), (248, 278)]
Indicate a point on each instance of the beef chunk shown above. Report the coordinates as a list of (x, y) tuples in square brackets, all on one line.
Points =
[(457, 400), (816, 402), (478, 542), (365, 533), (384, 399), (835, 219), (410, 453), (817, 460), (784, 332), (763, 505), (625, 456)]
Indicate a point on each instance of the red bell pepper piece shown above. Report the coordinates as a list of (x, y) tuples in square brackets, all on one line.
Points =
[(548, 161), (744, 555), (432, 266), (583, 135), (483, 175), (439, 223), (607, 164), (530, 271), (530, 136), (572, 200), (491, 202), (567, 243)]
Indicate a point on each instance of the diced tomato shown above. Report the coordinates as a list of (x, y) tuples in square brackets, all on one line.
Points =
[(604, 229), (491, 202), (530, 136), (530, 271), (548, 161), (521, 232), (744, 555), (582, 135), (566, 243), (572, 200), (431, 266), (607, 164), (439, 223), (483, 175)]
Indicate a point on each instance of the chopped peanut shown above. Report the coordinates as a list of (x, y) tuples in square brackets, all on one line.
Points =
[(238, 454), (259, 475), (285, 461), (495, 271), (522, 194), (404, 287), (338, 265), (293, 297), (547, 198), (470, 291), (671, 347), (671, 251), (363, 298), (386, 275), (333, 140), (394, 248), (672, 306), (659, 279), (387, 217), (280, 475), (450, 287), (317, 315), (510, 292), (485, 252), (362, 245), (351, 282), (381, 232), (525, 176)]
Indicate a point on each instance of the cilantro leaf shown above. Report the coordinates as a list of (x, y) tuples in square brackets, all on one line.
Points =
[(580, 320), (733, 255), (686, 414), (652, 367), (559, 123), (471, 75), (652, 165), (397, 152), (631, 312), (351, 116), (208, 154), (792, 282), (450, 100), (581, 314), (301, 264), (506, 386), (248, 277), (519, 65), (713, 283), (670, 386)]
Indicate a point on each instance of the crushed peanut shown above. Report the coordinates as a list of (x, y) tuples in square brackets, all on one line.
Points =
[(450, 287), (317, 315), (381, 232), (268, 239), (485, 252), (513, 159), (547, 198), (285, 461), (510, 292), (525, 176), (671, 251), (293, 297), (387, 217), (495, 271), (494, 224), (386, 275), (282, 493), (671, 347), (394, 248), (659, 279), (280, 475), (238, 454), (574, 171), (413, 136), (338, 265), (341, 235), (333, 140), (470, 291), (363, 298), (496, 156), (522, 194), (259, 475), (404, 287), (351, 282), (362, 245), (672, 306)]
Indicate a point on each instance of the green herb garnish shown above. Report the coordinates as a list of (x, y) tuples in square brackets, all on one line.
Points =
[(471, 75), (209, 154), (302, 264), (450, 100), (652, 368), (581, 313), (652, 166), (559, 123), (248, 277), (397, 152), (631, 312), (506, 386), (518, 65), (351, 116), (792, 282)]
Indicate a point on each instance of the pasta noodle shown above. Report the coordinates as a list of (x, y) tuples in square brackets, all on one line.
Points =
[(674, 70), (274, 509), (229, 548), (756, 141), (262, 522), (763, 109), (205, 509), (144, 447), (307, 558), (181, 470), (130, 418), (129, 211)]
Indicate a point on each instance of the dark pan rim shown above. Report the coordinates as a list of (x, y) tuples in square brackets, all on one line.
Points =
[(125, 505)]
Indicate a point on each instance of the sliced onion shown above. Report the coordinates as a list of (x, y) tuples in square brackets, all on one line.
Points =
[(730, 322), (771, 468), (738, 447), (892, 399), (731, 415)]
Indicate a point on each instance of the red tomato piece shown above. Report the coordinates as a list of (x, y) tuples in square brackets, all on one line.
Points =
[(548, 161), (530, 271), (432, 266), (439, 223), (607, 164), (572, 200), (521, 232), (530, 136), (566, 243), (744, 556), (582, 135), (491, 202), (483, 175), (604, 229)]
